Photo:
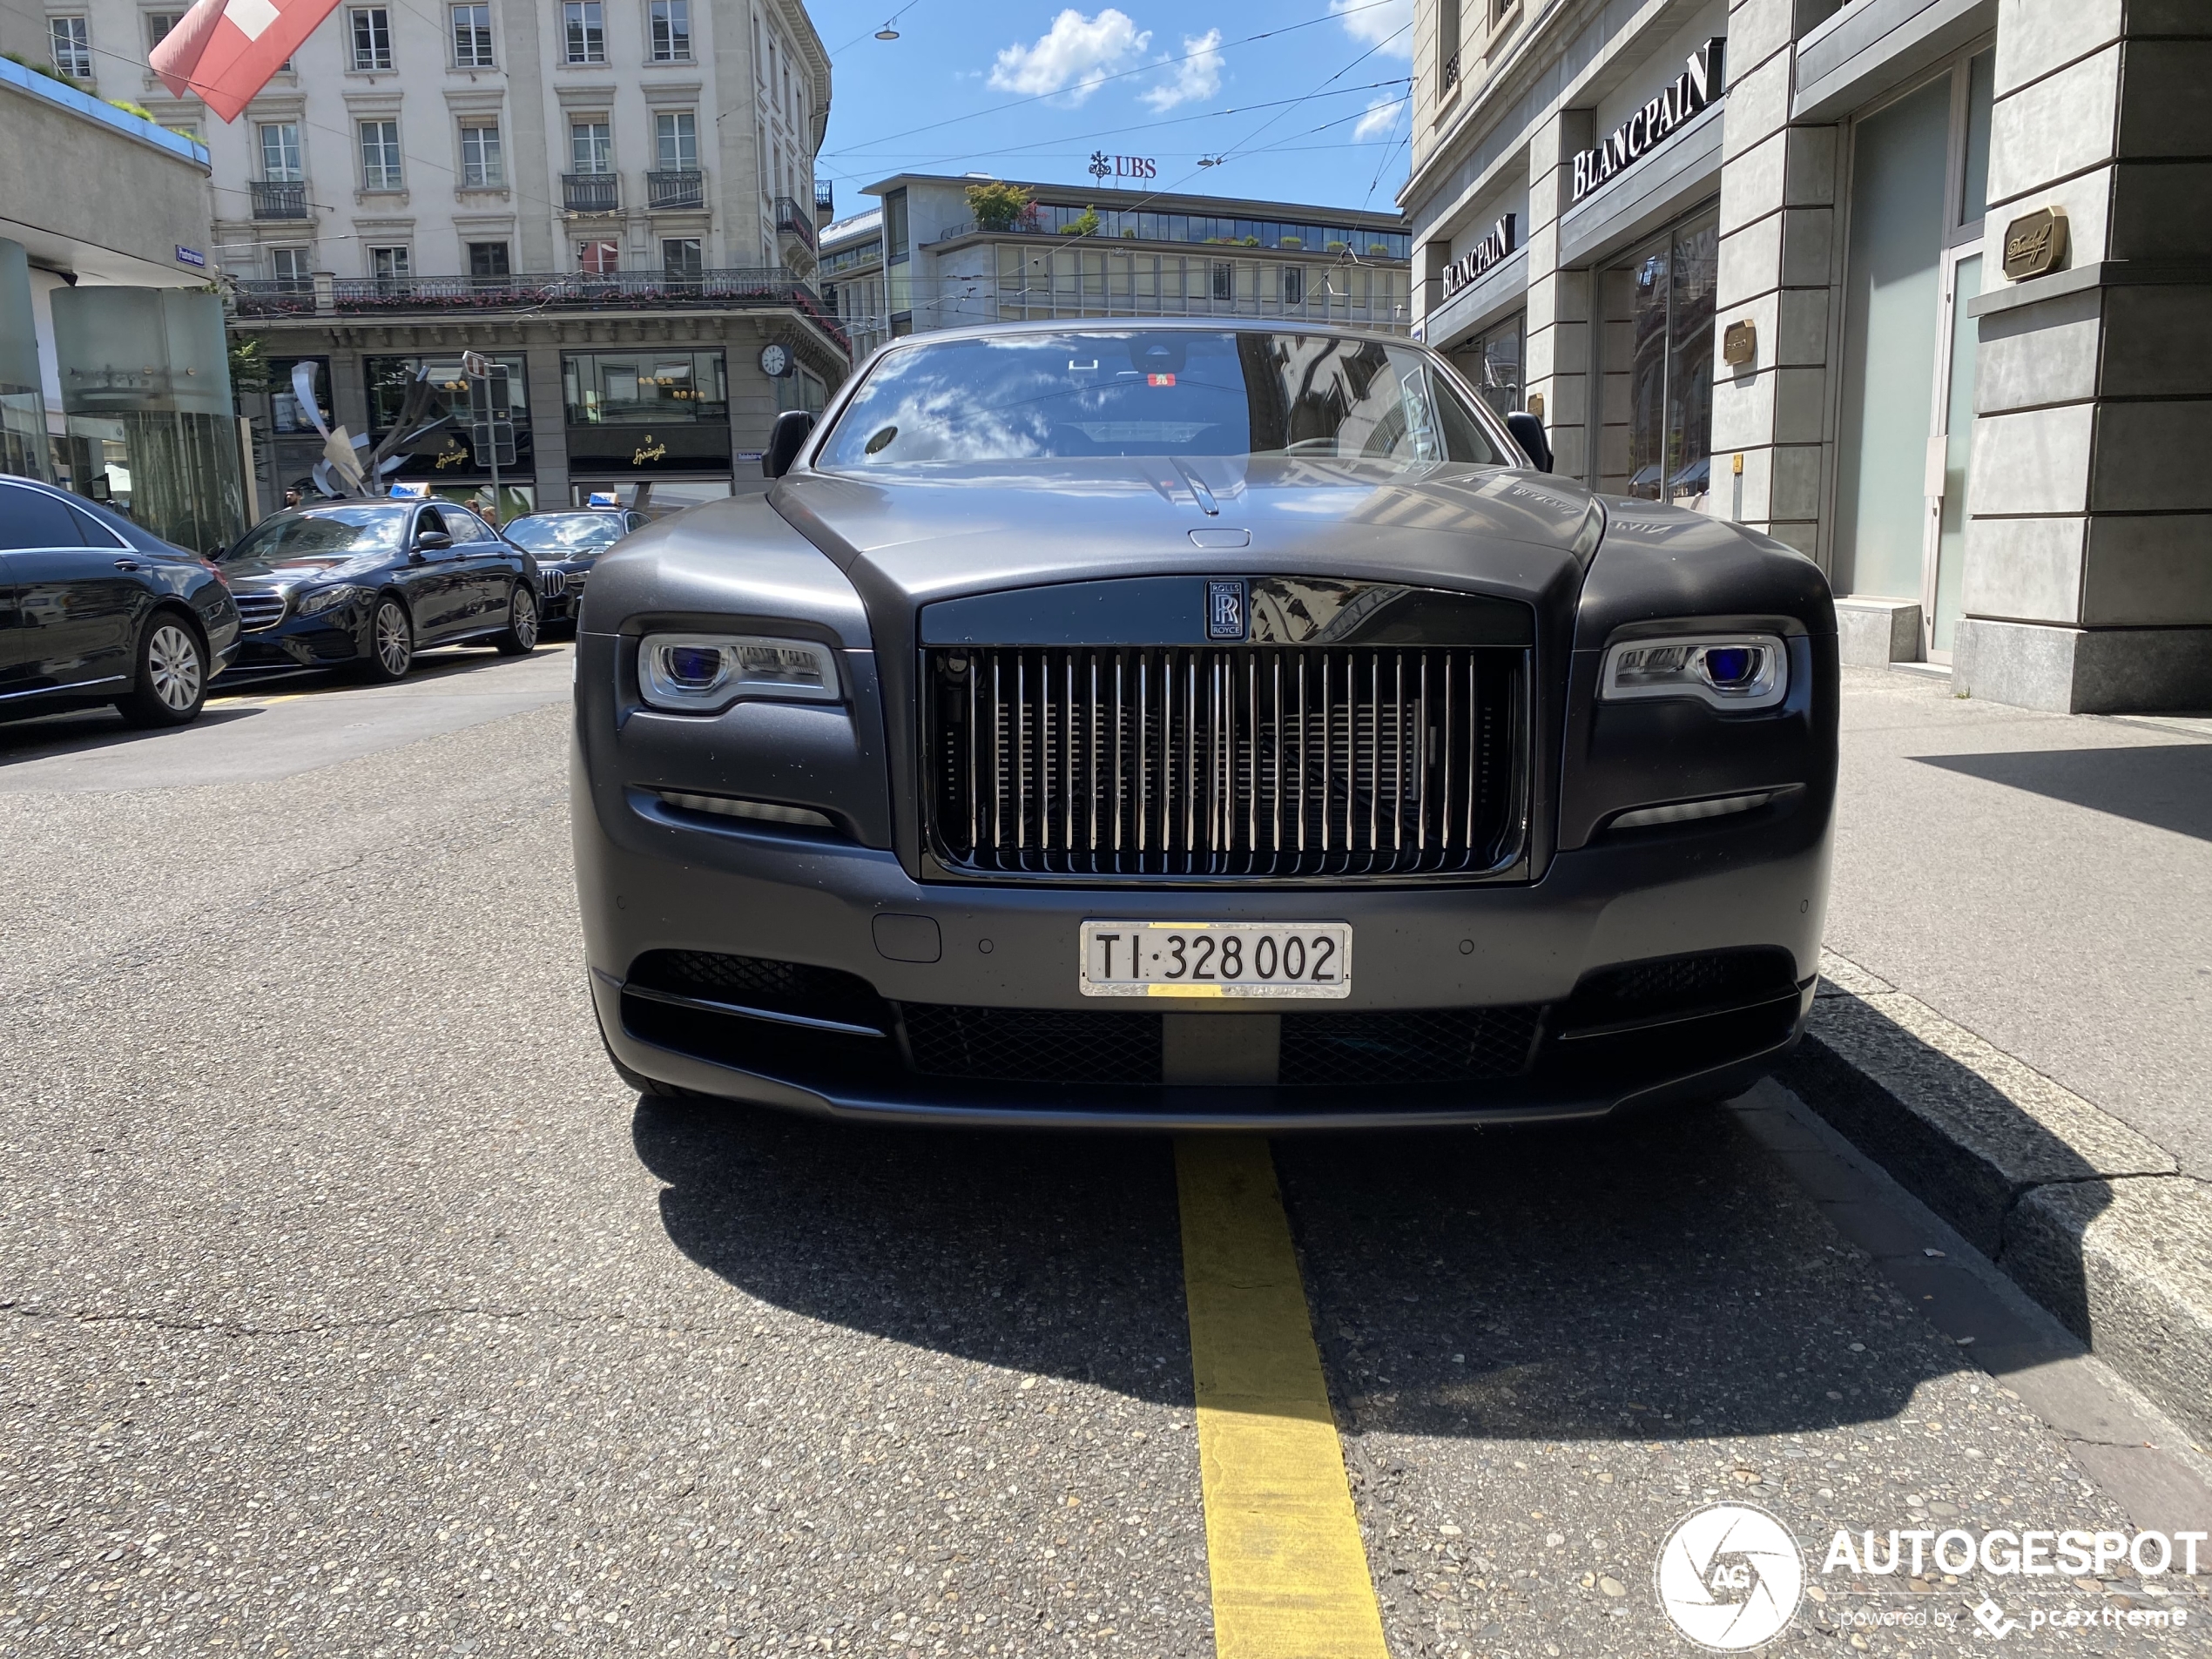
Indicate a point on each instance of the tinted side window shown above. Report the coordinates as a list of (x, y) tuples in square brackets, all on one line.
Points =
[(29, 519), (430, 519), (95, 533)]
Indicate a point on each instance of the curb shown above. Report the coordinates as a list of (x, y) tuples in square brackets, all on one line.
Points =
[(2096, 1222)]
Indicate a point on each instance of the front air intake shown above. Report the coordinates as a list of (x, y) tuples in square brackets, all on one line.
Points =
[(1227, 762)]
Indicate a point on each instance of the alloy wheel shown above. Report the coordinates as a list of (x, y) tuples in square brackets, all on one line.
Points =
[(524, 618), (173, 665), (395, 639)]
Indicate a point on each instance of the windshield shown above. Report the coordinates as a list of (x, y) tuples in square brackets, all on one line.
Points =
[(565, 534), (1166, 391), (322, 534)]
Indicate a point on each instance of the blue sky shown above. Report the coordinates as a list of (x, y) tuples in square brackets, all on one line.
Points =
[(1314, 112)]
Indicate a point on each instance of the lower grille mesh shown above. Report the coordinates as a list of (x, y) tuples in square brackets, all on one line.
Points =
[(1426, 1046), (1034, 1045)]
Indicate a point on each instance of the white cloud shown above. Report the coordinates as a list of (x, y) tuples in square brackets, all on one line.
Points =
[(1380, 118), (1076, 52), (1371, 24), (1196, 77)]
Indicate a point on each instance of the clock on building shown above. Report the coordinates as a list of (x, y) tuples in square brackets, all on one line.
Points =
[(775, 360)]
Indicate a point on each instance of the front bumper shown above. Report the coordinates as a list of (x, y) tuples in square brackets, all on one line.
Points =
[(561, 591), (336, 637), (653, 879)]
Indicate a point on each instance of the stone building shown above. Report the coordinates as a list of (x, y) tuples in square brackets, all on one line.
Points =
[(923, 261), (1917, 286), (615, 198)]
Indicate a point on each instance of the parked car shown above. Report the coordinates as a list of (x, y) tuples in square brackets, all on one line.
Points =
[(95, 609), (1191, 724), (365, 584), (567, 545)]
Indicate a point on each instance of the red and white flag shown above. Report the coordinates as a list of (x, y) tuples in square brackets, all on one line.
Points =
[(224, 50)]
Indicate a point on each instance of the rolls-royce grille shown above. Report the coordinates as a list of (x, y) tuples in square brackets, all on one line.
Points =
[(1227, 762), (258, 610)]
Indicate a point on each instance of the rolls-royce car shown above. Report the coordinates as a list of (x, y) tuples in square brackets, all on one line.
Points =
[(1197, 724), (568, 544), (94, 609), (362, 585)]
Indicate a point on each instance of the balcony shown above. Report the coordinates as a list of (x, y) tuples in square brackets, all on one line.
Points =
[(825, 201), (739, 290), (791, 219), (671, 190), (280, 198), (592, 192)]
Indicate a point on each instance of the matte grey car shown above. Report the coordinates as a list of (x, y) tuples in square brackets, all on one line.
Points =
[(1189, 724)]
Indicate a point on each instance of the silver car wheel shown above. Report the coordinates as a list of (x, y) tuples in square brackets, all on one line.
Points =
[(522, 618), (172, 662), (395, 639)]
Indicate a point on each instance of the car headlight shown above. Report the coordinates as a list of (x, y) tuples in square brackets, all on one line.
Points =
[(1728, 670), (323, 599), (704, 673)]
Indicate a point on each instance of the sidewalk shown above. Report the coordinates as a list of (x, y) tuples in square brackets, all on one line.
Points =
[(2016, 1016)]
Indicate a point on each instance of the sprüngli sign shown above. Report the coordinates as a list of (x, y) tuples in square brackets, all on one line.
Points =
[(1684, 97)]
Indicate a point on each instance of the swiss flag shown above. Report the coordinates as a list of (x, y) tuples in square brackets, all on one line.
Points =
[(224, 50)]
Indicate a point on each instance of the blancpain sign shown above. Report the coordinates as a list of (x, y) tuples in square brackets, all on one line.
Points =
[(1491, 250), (1681, 97)]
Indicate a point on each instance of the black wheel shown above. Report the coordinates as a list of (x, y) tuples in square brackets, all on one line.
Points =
[(520, 637), (171, 681), (391, 642)]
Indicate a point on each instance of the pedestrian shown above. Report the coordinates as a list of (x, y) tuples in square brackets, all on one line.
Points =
[(292, 496)]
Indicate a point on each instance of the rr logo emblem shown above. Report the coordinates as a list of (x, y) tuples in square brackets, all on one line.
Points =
[(1225, 610)]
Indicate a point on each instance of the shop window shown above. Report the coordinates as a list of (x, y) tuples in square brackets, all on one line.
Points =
[(1492, 361), (641, 387), (1670, 340), (388, 379)]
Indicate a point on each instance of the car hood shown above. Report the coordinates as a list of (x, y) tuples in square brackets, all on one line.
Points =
[(934, 531), (292, 571)]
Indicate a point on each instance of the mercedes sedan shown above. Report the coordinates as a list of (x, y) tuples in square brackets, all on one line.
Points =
[(1191, 724)]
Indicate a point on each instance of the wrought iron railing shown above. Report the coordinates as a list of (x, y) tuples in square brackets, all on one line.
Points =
[(794, 219), (1451, 72), (684, 187), (613, 290), (825, 198), (280, 198), (592, 192)]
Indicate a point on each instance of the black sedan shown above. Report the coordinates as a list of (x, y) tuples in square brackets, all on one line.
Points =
[(567, 545), (365, 585), (1189, 724), (95, 609)]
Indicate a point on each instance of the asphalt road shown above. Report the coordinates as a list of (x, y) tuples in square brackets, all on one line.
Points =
[(349, 1305)]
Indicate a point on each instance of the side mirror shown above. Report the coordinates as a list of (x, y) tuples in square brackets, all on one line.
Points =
[(1529, 432), (433, 541), (785, 439)]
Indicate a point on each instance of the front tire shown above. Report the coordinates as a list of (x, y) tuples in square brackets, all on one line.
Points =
[(391, 642), (171, 682), (520, 637)]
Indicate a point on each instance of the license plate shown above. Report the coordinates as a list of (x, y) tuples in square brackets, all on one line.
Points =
[(1217, 959)]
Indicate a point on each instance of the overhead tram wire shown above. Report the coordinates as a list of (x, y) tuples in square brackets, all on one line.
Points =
[(1142, 68)]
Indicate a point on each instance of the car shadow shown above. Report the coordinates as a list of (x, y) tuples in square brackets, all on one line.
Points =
[(439, 662), (86, 731), (2168, 785), (1590, 1283)]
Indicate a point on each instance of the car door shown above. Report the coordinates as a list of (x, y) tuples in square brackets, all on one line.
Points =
[(76, 607), (433, 583), (485, 568)]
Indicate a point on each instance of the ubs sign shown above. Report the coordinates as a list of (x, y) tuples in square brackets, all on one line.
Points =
[(1490, 251), (1689, 92)]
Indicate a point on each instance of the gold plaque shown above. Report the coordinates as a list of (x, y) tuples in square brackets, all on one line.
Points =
[(2035, 244), (1740, 344)]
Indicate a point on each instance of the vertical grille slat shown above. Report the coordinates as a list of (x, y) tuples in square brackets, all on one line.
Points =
[(1235, 762)]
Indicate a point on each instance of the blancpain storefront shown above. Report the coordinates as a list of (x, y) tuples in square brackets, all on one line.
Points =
[(1917, 287)]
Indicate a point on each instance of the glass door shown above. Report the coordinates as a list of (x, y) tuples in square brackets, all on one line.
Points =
[(1949, 449)]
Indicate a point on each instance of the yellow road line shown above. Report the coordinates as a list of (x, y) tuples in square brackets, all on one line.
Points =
[(1283, 1548)]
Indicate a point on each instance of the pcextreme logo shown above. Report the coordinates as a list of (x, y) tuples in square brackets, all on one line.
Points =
[(1731, 1576)]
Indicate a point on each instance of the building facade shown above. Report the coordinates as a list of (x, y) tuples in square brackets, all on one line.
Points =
[(615, 198), (1916, 286), (114, 375), (927, 259)]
